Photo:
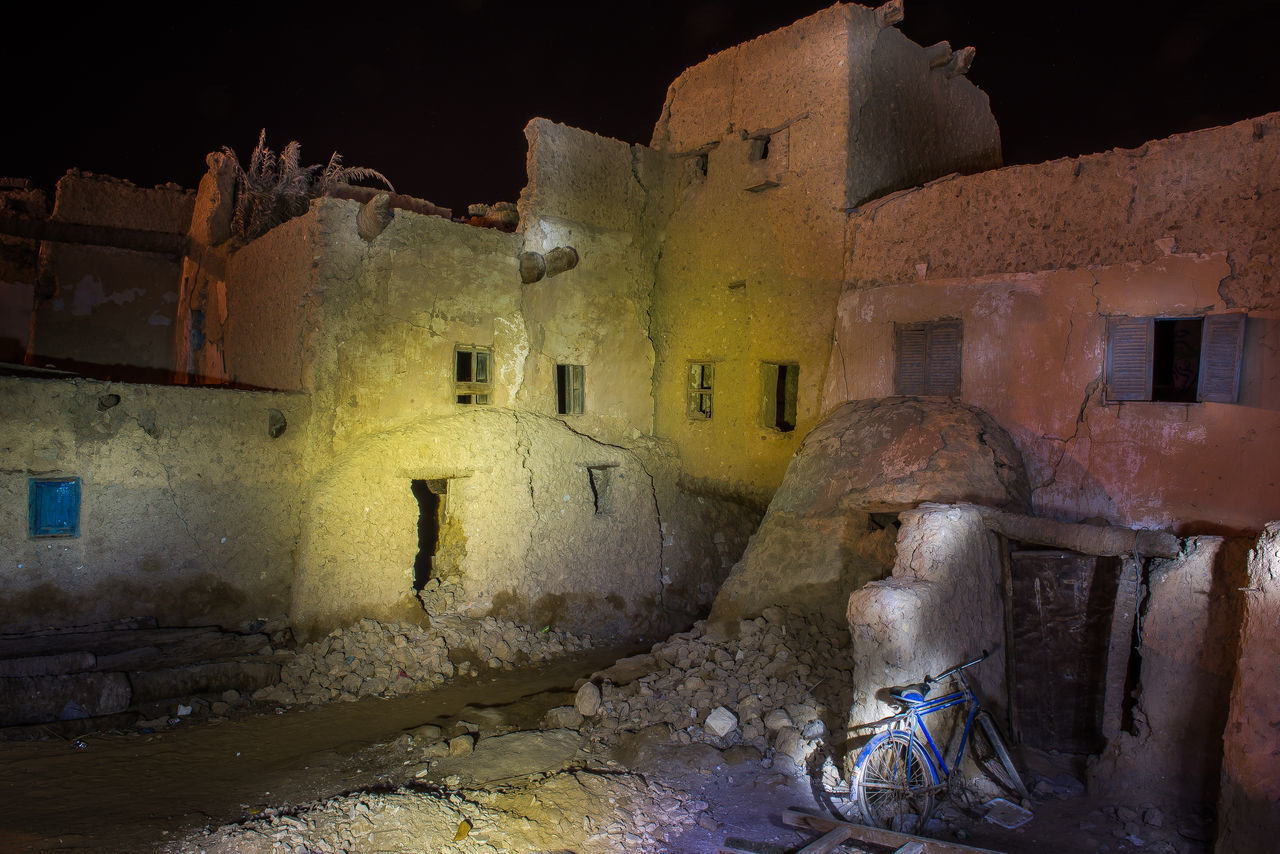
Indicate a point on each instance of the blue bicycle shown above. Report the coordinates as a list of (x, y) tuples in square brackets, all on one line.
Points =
[(900, 771)]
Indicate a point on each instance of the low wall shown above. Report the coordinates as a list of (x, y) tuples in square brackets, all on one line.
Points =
[(188, 509)]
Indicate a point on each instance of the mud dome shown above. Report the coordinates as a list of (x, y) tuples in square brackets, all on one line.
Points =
[(819, 540)]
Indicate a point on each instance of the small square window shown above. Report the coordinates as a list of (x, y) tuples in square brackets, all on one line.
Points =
[(701, 382), (54, 507), (472, 377), (779, 388), (570, 385)]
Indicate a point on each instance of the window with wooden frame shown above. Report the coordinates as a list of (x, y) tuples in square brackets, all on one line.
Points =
[(570, 387), (927, 357), (1175, 359), (701, 387), (779, 390), (53, 507), (472, 375)]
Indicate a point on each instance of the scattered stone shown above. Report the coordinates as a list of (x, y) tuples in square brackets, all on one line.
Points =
[(588, 700), (720, 722), (1153, 817), (563, 717), (461, 745), (776, 720)]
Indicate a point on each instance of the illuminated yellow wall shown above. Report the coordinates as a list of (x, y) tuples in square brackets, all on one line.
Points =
[(751, 260)]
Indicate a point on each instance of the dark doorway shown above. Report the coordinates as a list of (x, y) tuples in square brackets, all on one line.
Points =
[(1062, 622), (430, 495)]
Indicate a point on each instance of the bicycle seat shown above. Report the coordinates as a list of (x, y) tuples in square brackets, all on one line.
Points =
[(908, 695)]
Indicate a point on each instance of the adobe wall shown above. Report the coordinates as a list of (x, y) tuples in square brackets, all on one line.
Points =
[(603, 198), (523, 532), (189, 508), (273, 303), (113, 309), (942, 605), (1034, 260), (751, 260), (1171, 753), (1247, 812), (749, 271)]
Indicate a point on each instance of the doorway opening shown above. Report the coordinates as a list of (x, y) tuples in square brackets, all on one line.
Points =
[(430, 495)]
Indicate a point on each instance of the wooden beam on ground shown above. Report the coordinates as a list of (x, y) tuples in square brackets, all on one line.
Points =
[(828, 841), (877, 835)]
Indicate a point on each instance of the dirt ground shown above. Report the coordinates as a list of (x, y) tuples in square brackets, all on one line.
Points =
[(282, 773)]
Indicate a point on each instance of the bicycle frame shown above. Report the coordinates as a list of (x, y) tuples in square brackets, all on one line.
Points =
[(911, 720)]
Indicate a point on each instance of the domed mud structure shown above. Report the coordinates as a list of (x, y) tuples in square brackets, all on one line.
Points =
[(830, 527)]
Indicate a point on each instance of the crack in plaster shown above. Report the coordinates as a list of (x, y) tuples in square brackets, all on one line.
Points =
[(1082, 421)]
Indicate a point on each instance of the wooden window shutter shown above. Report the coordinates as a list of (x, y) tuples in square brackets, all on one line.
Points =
[(911, 345), (942, 364), (1220, 346), (1129, 348)]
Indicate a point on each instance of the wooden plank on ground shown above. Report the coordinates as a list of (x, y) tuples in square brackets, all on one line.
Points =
[(877, 835), (828, 841)]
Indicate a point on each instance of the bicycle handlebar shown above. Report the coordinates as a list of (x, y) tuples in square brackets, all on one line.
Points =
[(929, 680)]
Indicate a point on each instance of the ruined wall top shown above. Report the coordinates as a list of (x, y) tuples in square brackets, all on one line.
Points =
[(896, 113), (89, 199)]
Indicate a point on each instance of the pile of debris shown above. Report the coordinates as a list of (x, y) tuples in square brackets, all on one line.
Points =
[(779, 685), (586, 811), (385, 659)]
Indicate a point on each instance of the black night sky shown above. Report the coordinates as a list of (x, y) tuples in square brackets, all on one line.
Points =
[(436, 96)]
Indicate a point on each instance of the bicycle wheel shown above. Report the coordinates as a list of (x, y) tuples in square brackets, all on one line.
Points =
[(992, 756), (893, 779)]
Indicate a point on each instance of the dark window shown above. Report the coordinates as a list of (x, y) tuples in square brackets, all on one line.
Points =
[(779, 388), (1175, 359), (760, 148), (928, 358), (472, 382), (570, 385), (53, 507), (701, 382)]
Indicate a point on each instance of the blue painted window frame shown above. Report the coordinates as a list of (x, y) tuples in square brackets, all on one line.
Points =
[(53, 507)]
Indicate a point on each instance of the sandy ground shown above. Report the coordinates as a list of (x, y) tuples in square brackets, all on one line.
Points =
[(284, 777)]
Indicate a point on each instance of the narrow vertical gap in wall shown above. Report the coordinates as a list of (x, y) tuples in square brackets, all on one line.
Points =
[(430, 495), (1133, 676)]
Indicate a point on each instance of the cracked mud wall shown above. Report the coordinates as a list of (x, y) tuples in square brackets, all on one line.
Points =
[(1247, 808), (1033, 260), (751, 263), (942, 605), (1170, 752), (112, 310), (529, 539), (189, 509)]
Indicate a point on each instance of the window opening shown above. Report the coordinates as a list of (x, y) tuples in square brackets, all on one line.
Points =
[(760, 148), (471, 375), (779, 387), (570, 385), (701, 383), (600, 478), (430, 495), (53, 507), (1175, 359), (928, 358)]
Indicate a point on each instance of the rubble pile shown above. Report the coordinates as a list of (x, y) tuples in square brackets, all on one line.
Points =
[(777, 686), (586, 811), (373, 658)]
